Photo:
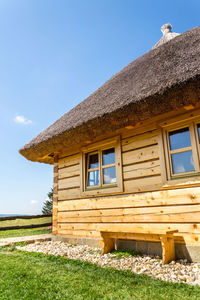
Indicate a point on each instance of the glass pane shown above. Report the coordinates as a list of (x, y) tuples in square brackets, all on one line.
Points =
[(179, 138), (109, 175), (93, 161), (93, 178), (198, 127), (108, 156), (182, 162)]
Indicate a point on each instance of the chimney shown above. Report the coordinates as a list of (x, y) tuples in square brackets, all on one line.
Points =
[(167, 35)]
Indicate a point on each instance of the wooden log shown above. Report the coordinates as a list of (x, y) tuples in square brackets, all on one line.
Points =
[(140, 141), (187, 238), (136, 185), (141, 227), (139, 129), (144, 169), (145, 213), (156, 198), (71, 193), (71, 182), (70, 171), (140, 155), (79, 233), (69, 160), (180, 214)]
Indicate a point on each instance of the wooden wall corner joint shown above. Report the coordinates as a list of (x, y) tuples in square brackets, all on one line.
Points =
[(55, 195)]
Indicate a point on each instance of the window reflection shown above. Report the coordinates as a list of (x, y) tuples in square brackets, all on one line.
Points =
[(93, 161), (182, 162), (109, 175), (179, 138), (101, 168), (93, 178), (108, 156), (198, 128)]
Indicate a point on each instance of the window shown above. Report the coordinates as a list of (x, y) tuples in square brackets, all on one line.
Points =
[(101, 167), (181, 150), (93, 169)]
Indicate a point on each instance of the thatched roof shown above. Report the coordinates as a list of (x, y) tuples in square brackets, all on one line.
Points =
[(148, 86)]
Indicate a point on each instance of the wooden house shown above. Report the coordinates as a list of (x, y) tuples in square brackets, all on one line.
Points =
[(127, 159)]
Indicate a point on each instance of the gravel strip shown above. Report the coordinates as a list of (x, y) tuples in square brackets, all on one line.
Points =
[(179, 271)]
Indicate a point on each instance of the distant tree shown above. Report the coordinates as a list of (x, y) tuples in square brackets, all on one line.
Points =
[(48, 204)]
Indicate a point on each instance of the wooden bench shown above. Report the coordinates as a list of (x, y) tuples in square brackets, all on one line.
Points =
[(166, 237)]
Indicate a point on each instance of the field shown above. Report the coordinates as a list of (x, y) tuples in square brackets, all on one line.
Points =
[(26, 275), (24, 222)]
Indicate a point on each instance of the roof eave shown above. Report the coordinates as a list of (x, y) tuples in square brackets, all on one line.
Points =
[(178, 96)]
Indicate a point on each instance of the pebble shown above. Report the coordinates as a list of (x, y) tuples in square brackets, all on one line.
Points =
[(175, 271)]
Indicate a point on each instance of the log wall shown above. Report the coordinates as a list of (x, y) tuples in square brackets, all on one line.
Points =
[(145, 203)]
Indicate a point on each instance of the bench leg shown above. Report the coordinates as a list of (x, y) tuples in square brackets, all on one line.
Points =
[(108, 245), (168, 252)]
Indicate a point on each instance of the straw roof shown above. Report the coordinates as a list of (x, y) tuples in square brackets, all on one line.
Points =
[(156, 82)]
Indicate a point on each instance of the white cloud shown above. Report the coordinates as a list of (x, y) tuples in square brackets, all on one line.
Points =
[(22, 120), (33, 202)]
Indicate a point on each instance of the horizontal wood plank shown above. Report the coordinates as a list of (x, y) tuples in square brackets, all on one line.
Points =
[(140, 155), (69, 161), (140, 141), (144, 169), (69, 171), (158, 198), (72, 193), (143, 184), (140, 218), (70, 182), (127, 227), (174, 214), (78, 233)]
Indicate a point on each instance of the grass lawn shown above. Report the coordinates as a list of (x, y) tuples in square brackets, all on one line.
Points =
[(21, 222), (24, 232), (29, 276)]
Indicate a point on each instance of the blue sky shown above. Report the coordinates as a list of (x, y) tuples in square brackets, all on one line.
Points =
[(53, 54)]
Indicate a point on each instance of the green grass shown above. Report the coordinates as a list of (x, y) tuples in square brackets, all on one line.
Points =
[(24, 232), (22, 222), (37, 276), (125, 252)]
